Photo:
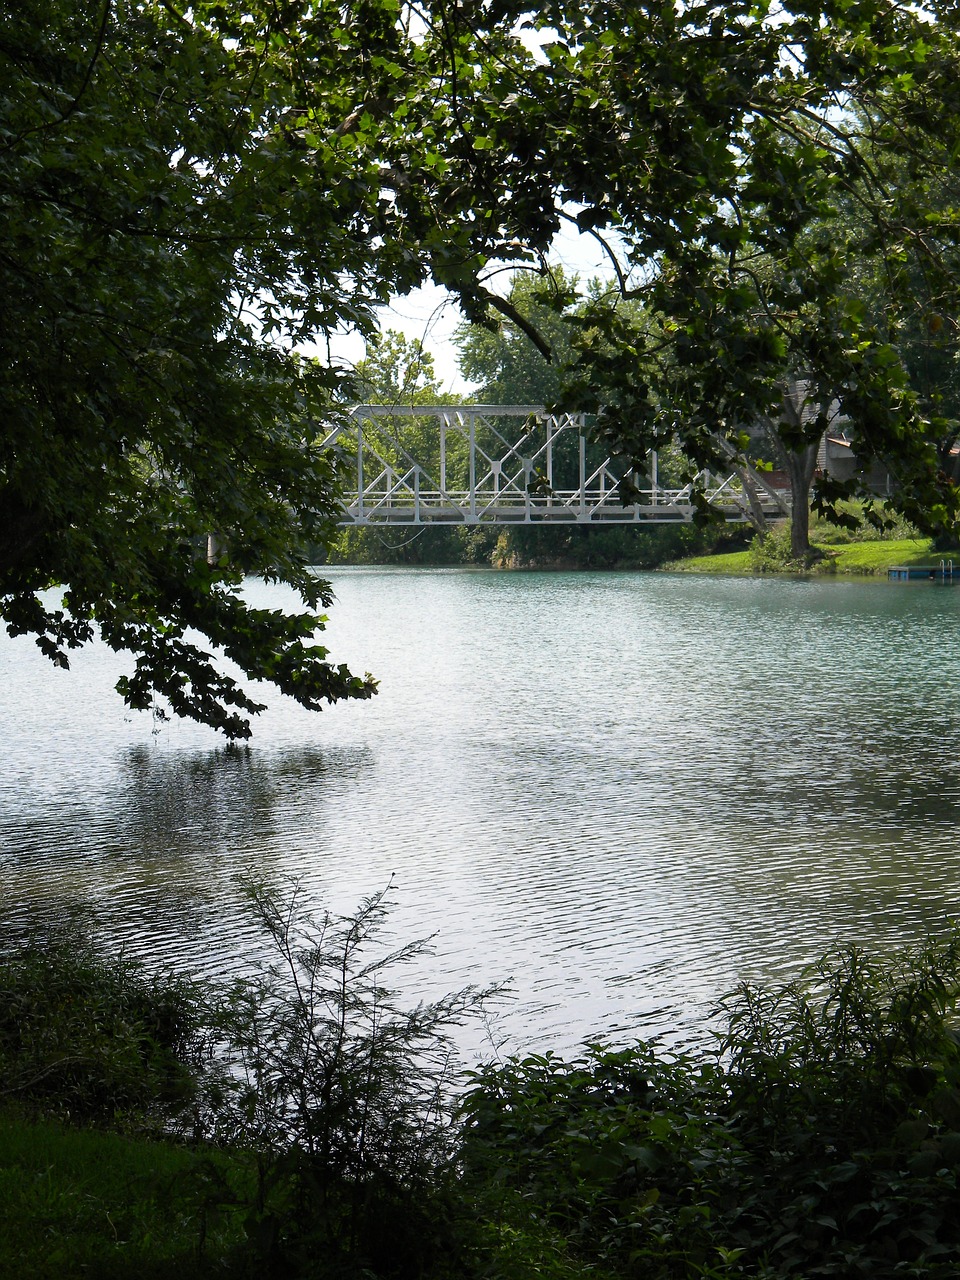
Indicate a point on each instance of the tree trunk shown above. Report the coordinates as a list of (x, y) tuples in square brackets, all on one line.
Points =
[(755, 511), (801, 465)]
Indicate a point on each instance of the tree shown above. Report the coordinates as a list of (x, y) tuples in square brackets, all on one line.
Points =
[(397, 370), (187, 196), (504, 361), (913, 301), (701, 143), (512, 368), (795, 446)]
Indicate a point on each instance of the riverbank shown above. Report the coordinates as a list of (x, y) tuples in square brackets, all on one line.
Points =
[(83, 1201), (535, 546), (821, 1137), (853, 559), (723, 549)]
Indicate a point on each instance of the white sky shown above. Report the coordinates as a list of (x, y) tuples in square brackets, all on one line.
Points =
[(430, 316)]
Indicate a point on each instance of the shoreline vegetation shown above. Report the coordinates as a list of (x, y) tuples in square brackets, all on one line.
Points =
[(718, 549), (855, 559), (300, 1124)]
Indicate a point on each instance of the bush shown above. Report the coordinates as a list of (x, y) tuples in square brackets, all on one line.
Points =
[(823, 1138), (886, 527), (529, 546), (402, 545), (771, 552), (345, 1099), (98, 1041), (610, 1161), (333, 1102)]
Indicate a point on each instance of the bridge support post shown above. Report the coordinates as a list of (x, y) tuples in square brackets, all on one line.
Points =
[(583, 479), (472, 436)]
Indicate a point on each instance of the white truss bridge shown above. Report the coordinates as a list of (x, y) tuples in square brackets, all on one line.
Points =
[(513, 464)]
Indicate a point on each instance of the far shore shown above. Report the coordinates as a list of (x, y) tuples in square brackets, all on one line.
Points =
[(853, 559)]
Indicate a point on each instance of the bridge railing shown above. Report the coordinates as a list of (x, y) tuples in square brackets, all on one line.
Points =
[(512, 464)]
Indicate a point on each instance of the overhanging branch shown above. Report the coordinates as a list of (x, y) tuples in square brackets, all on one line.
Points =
[(523, 324)]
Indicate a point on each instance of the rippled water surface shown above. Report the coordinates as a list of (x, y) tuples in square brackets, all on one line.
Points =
[(624, 791)]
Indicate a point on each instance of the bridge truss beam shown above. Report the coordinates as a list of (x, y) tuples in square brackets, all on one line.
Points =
[(413, 465)]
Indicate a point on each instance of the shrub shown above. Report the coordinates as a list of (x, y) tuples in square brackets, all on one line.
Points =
[(617, 1154), (882, 527), (821, 1140), (98, 1041), (344, 1097), (771, 552)]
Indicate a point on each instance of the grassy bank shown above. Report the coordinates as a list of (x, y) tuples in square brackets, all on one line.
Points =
[(81, 1202), (863, 558), (678, 548)]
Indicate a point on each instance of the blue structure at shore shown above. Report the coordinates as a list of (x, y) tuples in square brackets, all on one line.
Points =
[(942, 572)]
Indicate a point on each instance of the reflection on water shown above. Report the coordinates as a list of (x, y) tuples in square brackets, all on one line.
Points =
[(626, 791)]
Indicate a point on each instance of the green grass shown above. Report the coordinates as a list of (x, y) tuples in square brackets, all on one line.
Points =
[(852, 558), (732, 562), (77, 1202), (878, 557)]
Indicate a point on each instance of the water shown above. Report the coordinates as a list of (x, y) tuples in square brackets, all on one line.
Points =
[(626, 792)]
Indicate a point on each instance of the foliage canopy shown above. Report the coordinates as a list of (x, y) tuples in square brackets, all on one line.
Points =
[(188, 196), (740, 163)]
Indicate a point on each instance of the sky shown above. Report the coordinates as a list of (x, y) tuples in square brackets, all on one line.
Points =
[(430, 316)]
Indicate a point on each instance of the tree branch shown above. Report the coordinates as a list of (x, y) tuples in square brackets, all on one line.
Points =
[(523, 324)]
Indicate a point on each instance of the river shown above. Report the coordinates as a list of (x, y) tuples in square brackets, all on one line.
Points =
[(624, 792)]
